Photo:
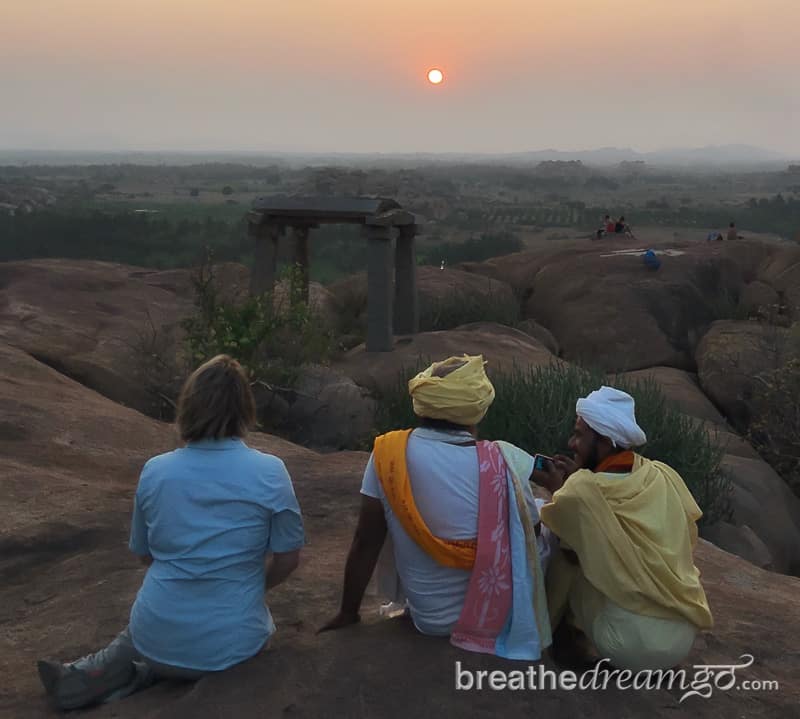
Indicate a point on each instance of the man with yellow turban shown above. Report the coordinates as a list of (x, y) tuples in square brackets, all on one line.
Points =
[(464, 551), (624, 577)]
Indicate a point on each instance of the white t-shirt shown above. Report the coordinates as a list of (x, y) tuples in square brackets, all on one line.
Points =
[(444, 481)]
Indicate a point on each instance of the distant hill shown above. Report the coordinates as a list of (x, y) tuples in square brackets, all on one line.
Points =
[(710, 155)]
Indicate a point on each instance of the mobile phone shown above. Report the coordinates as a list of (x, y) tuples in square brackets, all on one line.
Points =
[(540, 461)]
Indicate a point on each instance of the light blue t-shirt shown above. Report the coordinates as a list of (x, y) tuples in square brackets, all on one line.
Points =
[(209, 514)]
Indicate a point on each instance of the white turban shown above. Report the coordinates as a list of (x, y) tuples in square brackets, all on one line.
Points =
[(611, 413)]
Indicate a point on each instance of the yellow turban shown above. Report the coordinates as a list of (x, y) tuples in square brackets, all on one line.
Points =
[(461, 396)]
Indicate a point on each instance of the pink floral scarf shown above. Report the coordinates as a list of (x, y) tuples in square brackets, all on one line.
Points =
[(489, 596)]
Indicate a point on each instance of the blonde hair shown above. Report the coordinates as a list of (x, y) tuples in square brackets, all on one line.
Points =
[(216, 402)]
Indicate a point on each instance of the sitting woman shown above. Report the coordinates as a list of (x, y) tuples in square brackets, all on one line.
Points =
[(622, 228), (217, 524)]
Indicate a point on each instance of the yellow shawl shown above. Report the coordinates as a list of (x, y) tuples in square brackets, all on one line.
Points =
[(634, 536)]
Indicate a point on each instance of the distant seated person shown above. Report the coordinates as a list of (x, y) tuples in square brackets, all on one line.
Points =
[(217, 524), (714, 236), (464, 551), (607, 227), (732, 232), (620, 227), (611, 226), (623, 584)]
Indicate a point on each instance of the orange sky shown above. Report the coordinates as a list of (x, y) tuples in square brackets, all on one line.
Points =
[(346, 76)]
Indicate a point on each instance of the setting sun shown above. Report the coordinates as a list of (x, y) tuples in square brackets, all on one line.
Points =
[(435, 76)]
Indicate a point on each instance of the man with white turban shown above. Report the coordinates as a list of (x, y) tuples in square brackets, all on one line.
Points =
[(623, 584), (475, 576)]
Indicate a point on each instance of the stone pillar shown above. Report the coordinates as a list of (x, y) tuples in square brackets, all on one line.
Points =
[(266, 236), (406, 302), (380, 290), (300, 273)]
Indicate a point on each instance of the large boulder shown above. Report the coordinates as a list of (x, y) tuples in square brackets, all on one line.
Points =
[(729, 441), (447, 298), (503, 347), (611, 311), (741, 541), (774, 264), (730, 358), (681, 389), (607, 309), (758, 299), (67, 589), (541, 334), (442, 286), (97, 322), (520, 268), (328, 410), (763, 501)]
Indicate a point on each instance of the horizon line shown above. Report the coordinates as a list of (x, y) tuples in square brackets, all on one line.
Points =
[(767, 154)]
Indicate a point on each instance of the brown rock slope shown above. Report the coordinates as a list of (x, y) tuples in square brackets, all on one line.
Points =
[(90, 320), (70, 463), (97, 321), (607, 309)]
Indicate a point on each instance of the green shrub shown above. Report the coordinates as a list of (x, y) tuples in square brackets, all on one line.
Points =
[(461, 308), (725, 305), (272, 340), (535, 409), (458, 307)]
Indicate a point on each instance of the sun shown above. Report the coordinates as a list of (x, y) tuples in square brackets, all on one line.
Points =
[(435, 76)]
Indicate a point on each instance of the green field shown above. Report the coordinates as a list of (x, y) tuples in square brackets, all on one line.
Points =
[(166, 216)]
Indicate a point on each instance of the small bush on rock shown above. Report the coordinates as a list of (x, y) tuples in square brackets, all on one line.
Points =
[(457, 307), (461, 308), (272, 340)]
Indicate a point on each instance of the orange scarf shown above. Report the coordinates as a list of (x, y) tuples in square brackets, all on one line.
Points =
[(620, 462), (389, 457)]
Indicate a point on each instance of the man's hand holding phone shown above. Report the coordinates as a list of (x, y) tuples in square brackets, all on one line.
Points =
[(552, 472), (540, 462)]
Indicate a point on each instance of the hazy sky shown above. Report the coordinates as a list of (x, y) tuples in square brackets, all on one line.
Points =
[(347, 76)]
